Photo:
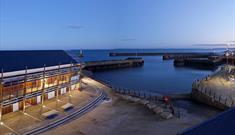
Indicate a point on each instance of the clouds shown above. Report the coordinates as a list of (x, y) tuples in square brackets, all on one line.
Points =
[(115, 23)]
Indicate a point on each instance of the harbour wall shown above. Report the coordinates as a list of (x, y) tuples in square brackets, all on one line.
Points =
[(166, 56), (200, 63), (113, 64)]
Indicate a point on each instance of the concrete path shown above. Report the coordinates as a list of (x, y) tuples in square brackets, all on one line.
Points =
[(19, 122)]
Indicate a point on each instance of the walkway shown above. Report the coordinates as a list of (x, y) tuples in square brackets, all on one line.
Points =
[(33, 122)]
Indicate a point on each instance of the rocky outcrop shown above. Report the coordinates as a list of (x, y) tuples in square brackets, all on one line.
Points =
[(159, 108)]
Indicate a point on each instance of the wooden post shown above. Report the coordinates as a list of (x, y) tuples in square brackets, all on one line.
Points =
[(43, 86), (25, 86), (1, 96)]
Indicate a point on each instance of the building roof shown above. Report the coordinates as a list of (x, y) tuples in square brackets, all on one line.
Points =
[(18, 60), (223, 124)]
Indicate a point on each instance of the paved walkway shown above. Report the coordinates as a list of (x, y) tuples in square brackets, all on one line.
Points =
[(19, 122)]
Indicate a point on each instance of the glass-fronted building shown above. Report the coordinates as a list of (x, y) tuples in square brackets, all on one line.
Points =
[(31, 77)]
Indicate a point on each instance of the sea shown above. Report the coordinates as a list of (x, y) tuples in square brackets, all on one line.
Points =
[(156, 75)]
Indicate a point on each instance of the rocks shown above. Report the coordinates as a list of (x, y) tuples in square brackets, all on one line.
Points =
[(151, 105), (126, 97), (134, 99), (166, 115), (156, 108), (143, 102)]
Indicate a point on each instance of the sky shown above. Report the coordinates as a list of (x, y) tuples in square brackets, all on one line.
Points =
[(110, 24)]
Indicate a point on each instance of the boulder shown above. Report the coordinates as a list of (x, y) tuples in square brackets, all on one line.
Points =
[(166, 115), (135, 99), (158, 110), (151, 105), (127, 97), (143, 102)]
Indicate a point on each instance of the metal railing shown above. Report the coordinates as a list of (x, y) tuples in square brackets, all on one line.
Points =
[(149, 95), (223, 99)]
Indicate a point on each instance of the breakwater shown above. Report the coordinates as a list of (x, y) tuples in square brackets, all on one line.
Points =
[(165, 55), (212, 62), (202, 63), (170, 56), (205, 60), (113, 64)]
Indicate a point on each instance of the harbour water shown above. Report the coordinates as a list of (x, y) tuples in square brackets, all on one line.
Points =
[(156, 75)]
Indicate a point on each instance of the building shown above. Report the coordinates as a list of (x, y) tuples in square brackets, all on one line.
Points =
[(222, 124), (30, 77)]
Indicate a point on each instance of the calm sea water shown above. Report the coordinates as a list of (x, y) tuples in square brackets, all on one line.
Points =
[(156, 75)]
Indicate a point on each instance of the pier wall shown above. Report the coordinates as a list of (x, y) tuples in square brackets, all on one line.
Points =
[(165, 54), (113, 64), (170, 56), (200, 63)]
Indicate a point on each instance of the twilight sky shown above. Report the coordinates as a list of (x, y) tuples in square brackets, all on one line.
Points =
[(100, 24)]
